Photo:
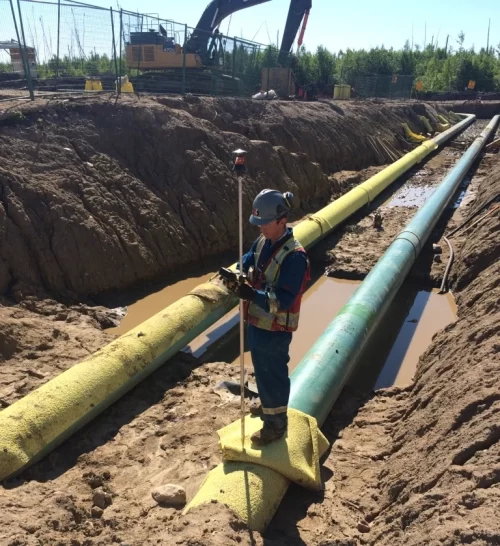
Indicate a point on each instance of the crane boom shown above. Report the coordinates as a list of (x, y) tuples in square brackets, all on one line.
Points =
[(211, 18), (298, 11), (218, 10)]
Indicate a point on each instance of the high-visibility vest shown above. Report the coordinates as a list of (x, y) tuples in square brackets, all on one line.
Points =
[(267, 278)]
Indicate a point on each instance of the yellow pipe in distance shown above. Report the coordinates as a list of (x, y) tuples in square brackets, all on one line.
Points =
[(320, 224), (413, 136)]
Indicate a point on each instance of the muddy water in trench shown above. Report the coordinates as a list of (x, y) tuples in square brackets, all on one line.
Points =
[(411, 196), (391, 359), (322, 301), (153, 303), (416, 196), (429, 313), (411, 322)]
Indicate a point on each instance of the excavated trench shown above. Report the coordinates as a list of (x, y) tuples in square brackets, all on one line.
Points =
[(416, 316), (110, 212)]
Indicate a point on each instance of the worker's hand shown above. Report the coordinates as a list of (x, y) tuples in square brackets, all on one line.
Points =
[(232, 286), (245, 292)]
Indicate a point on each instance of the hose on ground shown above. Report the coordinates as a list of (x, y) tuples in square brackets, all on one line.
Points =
[(444, 282), (444, 287)]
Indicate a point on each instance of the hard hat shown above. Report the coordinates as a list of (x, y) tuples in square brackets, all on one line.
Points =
[(270, 205)]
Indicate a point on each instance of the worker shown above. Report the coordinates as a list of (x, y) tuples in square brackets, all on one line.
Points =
[(278, 270)]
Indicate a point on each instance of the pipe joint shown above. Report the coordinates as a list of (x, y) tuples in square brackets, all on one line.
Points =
[(413, 239)]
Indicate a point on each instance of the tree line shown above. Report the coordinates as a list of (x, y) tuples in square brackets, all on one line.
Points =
[(438, 69)]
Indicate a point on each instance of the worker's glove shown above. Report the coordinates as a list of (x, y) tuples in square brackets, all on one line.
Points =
[(230, 285), (245, 292)]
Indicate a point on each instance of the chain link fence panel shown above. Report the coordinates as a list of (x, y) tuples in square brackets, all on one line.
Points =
[(17, 57), (382, 86), (73, 46)]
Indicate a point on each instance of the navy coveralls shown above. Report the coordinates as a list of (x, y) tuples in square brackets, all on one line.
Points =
[(270, 350)]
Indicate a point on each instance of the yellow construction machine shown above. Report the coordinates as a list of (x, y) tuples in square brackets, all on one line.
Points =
[(161, 61)]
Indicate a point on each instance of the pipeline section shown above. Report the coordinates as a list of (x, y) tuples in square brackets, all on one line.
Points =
[(319, 378), (33, 426), (321, 375)]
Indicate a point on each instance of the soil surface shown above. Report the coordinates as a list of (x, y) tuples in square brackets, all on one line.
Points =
[(408, 466)]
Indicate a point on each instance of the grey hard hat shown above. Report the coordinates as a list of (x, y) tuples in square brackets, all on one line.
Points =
[(270, 205)]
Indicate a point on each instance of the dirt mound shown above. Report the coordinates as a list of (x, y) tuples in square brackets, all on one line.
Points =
[(443, 475), (97, 195), (36, 345), (333, 136)]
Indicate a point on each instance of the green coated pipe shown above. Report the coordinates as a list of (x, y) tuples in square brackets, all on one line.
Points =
[(322, 373)]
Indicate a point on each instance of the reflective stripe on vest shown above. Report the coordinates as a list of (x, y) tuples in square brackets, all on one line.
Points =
[(287, 321)]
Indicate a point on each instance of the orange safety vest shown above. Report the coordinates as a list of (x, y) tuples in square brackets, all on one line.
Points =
[(275, 320)]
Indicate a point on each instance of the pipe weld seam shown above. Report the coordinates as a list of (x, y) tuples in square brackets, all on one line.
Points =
[(367, 194), (318, 221), (416, 248)]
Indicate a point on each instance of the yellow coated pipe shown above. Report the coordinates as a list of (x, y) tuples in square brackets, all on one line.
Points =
[(318, 225), (413, 136), (33, 426), (427, 124)]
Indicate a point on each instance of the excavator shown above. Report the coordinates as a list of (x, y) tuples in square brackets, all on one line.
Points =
[(162, 61)]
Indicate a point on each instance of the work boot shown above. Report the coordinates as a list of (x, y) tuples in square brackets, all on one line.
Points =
[(267, 435), (256, 409)]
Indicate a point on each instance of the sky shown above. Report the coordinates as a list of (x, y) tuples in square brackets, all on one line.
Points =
[(335, 24), (340, 24)]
